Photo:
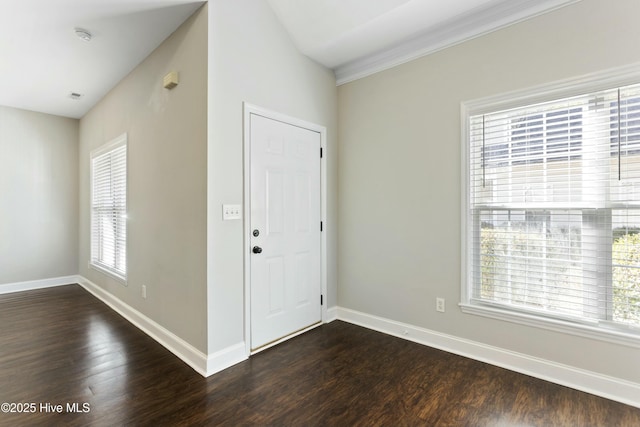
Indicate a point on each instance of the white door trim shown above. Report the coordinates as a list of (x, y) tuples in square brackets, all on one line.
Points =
[(253, 109)]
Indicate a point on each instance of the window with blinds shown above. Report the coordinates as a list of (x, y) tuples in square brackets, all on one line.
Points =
[(553, 221), (109, 208)]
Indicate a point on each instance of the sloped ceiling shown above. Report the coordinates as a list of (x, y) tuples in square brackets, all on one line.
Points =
[(359, 37), (42, 61)]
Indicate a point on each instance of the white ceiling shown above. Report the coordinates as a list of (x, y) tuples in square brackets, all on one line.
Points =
[(336, 31), (359, 37), (42, 61)]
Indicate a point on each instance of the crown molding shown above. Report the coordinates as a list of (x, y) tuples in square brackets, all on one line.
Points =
[(475, 23)]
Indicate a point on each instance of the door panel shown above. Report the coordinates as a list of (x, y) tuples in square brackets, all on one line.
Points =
[(302, 266), (302, 194), (276, 285), (274, 198), (285, 282)]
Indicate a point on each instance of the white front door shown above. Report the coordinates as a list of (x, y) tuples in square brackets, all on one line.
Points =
[(285, 242)]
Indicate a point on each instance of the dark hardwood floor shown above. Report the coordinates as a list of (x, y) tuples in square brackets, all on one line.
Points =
[(62, 346)]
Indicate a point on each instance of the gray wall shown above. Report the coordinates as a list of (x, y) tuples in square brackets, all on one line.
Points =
[(400, 173), (38, 196), (167, 169), (252, 59)]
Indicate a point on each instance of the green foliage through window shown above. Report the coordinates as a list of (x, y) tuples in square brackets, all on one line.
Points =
[(626, 279)]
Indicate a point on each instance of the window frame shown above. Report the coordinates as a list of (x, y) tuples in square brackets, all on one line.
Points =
[(106, 148), (594, 82)]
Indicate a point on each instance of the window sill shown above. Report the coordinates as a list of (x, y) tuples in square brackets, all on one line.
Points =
[(601, 333), (121, 279)]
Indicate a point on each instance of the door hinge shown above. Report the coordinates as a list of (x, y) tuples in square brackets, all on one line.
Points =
[(321, 152), (321, 299), (321, 226)]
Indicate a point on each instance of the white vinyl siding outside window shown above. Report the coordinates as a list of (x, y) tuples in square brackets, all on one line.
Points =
[(109, 208), (552, 215)]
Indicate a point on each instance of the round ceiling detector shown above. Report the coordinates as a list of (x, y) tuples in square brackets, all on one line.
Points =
[(83, 34)]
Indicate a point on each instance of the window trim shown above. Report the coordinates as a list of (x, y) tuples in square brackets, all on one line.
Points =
[(115, 143), (621, 76)]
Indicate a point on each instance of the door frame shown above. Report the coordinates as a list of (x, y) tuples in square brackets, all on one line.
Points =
[(250, 109)]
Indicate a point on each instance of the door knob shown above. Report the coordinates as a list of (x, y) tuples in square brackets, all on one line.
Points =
[(257, 250)]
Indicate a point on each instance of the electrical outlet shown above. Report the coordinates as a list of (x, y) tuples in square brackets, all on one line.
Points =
[(144, 291), (440, 305)]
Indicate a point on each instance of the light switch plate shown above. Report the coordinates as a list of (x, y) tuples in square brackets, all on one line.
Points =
[(230, 212)]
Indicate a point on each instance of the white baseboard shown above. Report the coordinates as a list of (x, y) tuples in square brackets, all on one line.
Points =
[(176, 345), (205, 365), (332, 314), (30, 285), (579, 379), (226, 358)]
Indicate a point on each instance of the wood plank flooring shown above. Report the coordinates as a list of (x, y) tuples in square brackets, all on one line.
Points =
[(61, 345)]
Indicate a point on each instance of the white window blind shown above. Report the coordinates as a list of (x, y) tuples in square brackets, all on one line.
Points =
[(109, 208), (554, 208)]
